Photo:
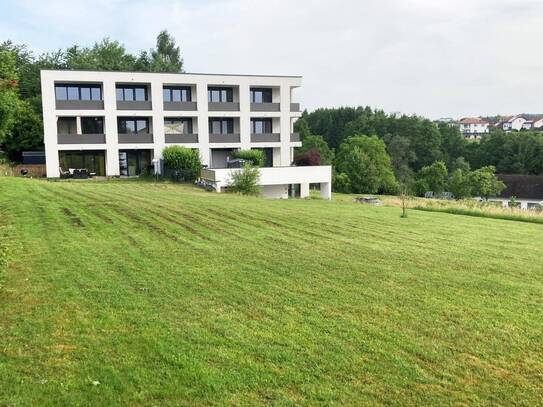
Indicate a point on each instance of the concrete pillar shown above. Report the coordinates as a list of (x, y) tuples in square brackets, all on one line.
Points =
[(304, 190), (110, 127), (326, 190)]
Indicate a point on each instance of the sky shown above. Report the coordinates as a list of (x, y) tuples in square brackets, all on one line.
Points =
[(434, 58)]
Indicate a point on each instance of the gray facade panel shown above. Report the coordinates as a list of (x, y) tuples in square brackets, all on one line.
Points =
[(134, 105), (265, 107), (180, 106), (294, 137), (135, 138), (223, 107), (181, 138), (81, 139), (266, 138), (294, 107), (80, 104), (224, 138)]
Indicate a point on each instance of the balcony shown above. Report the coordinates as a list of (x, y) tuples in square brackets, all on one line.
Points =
[(265, 138), (180, 106), (295, 137), (224, 138), (223, 107), (81, 139), (134, 105), (265, 107), (80, 105), (181, 138), (294, 107), (135, 138)]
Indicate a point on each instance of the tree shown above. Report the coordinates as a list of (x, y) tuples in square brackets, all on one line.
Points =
[(398, 147), (8, 93), (309, 158), (166, 57), (459, 184), (433, 177), (484, 183), (245, 181), (302, 127), (341, 183), (365, 161), (26, 132), (317, 143)]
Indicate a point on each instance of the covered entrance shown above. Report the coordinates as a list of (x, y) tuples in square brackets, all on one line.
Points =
[(134, 162)]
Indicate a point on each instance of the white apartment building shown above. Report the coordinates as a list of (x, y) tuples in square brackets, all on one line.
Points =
[(512, 123), (473, 127), (116, 123)]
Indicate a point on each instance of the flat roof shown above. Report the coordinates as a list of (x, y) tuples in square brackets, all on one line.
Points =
[(175, 73)]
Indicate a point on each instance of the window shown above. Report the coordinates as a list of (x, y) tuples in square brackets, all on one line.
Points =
[(177, 94), (221, 126), (261, 126), (132, 125), (78, 92), (92, 125), (261, 95), (178, 126), (132, 93), (93, 161), (66, 125), (220, 95)]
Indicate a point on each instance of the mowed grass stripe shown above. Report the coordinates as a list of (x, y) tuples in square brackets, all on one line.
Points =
[(434, 309)]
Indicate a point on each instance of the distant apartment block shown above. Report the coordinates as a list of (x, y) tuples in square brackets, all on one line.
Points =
[(116, 123), (473, 127)]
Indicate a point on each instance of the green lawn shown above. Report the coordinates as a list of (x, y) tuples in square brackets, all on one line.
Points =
[(136, 293)]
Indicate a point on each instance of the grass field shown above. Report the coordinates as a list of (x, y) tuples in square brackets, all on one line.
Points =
[(133, 293)]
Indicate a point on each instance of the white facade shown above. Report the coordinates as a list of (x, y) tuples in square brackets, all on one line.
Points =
[(282, 112), (473, 127), (275, 181), (514, 123)]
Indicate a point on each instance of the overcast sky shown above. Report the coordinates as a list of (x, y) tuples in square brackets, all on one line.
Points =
[(437, 58)]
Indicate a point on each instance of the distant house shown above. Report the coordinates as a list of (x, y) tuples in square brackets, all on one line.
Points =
[(526, 189), (473, 127), (533, 124), (511, 123)]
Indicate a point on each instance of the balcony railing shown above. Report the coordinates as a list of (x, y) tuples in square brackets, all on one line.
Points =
[(181, 138), (294, 137), (223, 107), (134, 105), (294, 107), (135, 138), (180, 106), (224, 138), (80, 104), (81, 139), (265, 107), (265, 138)]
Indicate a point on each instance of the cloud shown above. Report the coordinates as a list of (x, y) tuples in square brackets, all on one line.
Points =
[(435, 58)]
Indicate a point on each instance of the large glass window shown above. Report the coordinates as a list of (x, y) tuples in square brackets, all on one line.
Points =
[(177, 94), (92, 125), (66, 125), (78, 92), (261, 126), (221, 126), (178, 125), (92, 161), (131, 93), (134, 162), (220, 95), (132, 125), (261, 95)]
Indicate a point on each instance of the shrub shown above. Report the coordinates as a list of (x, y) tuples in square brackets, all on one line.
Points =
[(310, 157), (245, 182), (341, 183), (255, 157), (184, 160)]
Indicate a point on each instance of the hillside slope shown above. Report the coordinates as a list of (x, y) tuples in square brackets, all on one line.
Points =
[(156, 294)]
